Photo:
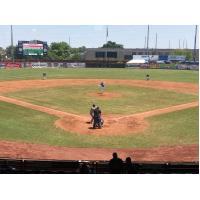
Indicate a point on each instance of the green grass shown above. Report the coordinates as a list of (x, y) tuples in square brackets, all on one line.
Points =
[(75, 99), (100, 73), (177, 128), (21, 124)]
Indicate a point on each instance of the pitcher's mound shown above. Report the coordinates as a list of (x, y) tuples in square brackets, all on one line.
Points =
[(105, 95)]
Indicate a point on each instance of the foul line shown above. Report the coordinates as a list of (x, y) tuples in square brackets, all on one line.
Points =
[(50, 111), (163, 110)]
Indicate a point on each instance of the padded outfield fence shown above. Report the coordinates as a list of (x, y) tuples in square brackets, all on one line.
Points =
[(94, 64)]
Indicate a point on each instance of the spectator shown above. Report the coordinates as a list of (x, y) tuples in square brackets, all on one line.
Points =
[(84, 169), (129, 167), (116, 164)]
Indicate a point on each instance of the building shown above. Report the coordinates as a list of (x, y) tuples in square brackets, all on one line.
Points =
[(123, 55)]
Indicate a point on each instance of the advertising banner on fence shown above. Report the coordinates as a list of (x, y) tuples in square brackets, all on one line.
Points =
[(75, 64), (2, 65), (39, 64), (11, 65)]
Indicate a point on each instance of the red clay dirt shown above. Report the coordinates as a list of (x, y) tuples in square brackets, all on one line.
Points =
[(120, 125), (9, 86), (19, 150)]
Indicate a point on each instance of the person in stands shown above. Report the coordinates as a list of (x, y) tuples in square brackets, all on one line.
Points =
[(129, 166), (116, 164)]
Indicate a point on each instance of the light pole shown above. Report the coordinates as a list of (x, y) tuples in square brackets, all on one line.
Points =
[(12, 49), (148, 42), (106, 53), (195, 42), (156, 44)]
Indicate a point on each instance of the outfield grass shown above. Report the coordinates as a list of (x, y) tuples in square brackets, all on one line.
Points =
[(101, 73), (21, 124), (77, 100)]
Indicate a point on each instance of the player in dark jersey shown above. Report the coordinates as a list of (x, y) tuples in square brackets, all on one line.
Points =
[(97, 118), (92, 112)]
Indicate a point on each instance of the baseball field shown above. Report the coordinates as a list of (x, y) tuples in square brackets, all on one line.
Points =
[(155, 120)]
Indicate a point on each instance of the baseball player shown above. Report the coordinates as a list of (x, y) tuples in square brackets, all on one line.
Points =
[(92, 112), (147, 77), (97, 118), (102, 87)]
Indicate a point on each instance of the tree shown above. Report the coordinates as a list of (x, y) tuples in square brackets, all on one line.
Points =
[(62, 51), (77, 52), (111, 44), (2, 54), (182, 52), (82, 49), (59, 51), (9, 52)]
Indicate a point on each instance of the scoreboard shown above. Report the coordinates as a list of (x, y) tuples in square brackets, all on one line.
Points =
[(32, 48)]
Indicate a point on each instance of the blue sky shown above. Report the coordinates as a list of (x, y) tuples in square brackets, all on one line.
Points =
[(131, 36)]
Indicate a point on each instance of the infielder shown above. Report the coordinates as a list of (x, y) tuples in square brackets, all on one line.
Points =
[(102, 87)]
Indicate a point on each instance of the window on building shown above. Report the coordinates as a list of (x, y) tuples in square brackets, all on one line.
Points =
[(100, 54), (128, 57), (112, 54)]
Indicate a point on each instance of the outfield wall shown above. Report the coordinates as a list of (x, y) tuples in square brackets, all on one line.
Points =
[(92, 64)]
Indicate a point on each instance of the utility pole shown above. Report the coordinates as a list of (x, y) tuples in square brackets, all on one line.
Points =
[(148, 42), (179, 44), (156, 44), (145, 41), (12, 48), (183, 43), (106, 53), (195, 43), (69, 41)]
